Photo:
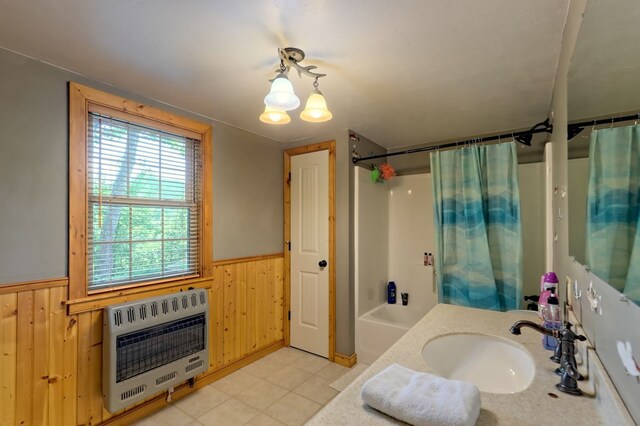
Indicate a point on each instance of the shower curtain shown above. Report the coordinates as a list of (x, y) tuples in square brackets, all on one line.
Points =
[(613, 208), (478, 227)]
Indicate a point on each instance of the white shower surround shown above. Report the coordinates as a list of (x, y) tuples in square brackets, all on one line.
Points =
[(393, 230), (381, 327)]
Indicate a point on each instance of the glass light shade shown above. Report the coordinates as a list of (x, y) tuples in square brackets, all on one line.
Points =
[(281, 95), (316, 109), (274, 116)]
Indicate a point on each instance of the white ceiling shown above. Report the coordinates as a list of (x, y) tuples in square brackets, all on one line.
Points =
[(400, 73), (605, 67)]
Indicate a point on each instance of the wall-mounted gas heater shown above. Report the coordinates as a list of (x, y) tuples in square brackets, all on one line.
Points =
[(153, 344)]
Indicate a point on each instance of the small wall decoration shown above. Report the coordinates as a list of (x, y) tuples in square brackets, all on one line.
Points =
[(428, 259), (382, 172)]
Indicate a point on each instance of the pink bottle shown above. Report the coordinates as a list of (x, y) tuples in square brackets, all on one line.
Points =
[(548, 285)]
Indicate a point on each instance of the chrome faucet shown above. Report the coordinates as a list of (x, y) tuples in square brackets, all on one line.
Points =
[(566, 341)]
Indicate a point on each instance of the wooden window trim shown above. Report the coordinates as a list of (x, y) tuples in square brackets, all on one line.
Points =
[(82, 100)]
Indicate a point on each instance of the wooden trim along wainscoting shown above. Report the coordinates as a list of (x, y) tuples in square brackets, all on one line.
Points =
[(51, 359), (33, 285), (247, 259)]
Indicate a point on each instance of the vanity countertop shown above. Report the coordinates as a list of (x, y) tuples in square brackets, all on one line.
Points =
[(533, 406)]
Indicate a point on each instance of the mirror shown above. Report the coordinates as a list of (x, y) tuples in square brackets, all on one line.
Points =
[(604, 82)]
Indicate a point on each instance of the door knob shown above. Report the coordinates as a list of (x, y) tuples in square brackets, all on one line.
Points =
[(322, 263)]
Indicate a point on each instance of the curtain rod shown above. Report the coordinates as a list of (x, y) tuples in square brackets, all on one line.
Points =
[(575, 128), (523, 137)]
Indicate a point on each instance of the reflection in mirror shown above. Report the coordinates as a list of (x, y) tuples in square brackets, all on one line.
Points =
[(613, 207), (603, 197)]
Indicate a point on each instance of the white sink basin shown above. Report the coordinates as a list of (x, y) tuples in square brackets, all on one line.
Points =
[(493, 364)]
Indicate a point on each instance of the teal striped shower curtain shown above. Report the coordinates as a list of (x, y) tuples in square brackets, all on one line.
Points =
[(613, 208), (478, 227)]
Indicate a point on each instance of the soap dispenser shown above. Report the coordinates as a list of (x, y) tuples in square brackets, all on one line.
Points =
[(551, 320), (548, 285)]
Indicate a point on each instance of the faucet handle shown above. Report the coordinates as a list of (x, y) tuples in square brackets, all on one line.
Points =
[(569, 335)]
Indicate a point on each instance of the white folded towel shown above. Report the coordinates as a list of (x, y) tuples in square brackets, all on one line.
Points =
[(422, 399)]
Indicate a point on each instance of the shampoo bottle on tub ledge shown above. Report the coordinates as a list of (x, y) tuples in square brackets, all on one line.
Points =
[(391, 292)]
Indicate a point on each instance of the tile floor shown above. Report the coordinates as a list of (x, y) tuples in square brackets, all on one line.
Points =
[(286, 387)]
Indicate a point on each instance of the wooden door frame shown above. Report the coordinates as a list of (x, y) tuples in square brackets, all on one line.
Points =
[(322, 146)]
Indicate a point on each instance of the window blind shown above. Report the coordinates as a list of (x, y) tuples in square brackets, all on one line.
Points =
[(143, 203)]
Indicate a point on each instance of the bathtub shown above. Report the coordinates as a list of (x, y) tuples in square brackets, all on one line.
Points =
[(381, 327)]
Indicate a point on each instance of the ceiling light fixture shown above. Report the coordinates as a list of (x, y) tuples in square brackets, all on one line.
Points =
[(281, 94), (274, 116), (315, 111), (281, 97)]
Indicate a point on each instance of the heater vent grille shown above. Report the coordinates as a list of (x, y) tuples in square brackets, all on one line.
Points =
[(160, 380), (132, 392), (131, 315), (153, 344), (194, 365), (152, 347)]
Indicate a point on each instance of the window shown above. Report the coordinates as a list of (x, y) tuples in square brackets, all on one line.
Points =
[(145, 180), (143, 203)]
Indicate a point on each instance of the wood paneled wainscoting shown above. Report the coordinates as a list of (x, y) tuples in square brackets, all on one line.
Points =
[(51, 348)]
